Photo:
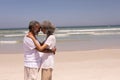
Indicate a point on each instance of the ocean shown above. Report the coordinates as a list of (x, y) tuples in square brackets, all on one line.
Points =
[(70, 38)]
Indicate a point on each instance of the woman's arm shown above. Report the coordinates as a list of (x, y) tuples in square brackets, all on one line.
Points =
[(38, 46), (41, 49)]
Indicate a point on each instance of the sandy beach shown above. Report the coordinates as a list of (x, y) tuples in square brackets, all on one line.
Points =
[(103, 64)]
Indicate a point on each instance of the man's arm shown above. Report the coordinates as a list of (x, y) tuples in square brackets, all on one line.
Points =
[(49, 50)]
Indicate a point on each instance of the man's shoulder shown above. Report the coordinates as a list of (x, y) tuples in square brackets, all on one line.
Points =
[(27, 38)]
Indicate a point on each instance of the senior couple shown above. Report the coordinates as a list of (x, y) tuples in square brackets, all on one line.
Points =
[(39, 55)]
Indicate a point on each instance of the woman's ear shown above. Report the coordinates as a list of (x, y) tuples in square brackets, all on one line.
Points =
[(46, 31)]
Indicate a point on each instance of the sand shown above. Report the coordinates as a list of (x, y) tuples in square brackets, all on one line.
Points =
[(101, 64)]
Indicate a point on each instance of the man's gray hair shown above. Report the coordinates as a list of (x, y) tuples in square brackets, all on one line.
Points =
[(32, 24)]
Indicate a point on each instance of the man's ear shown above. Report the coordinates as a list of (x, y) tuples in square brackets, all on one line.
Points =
[(33, 30)]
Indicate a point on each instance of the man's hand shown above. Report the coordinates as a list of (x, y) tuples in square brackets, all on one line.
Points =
[(54, 50)]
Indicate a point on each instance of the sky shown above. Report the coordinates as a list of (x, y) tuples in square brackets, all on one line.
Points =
[(18, 13)]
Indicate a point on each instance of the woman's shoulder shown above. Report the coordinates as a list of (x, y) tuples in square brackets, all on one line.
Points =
[(51, 36)]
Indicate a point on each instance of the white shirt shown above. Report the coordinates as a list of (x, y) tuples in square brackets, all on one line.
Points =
[(31, 55), (51, 41), (48, 58)]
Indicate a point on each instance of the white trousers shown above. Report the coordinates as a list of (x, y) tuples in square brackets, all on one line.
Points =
[(30, 73)]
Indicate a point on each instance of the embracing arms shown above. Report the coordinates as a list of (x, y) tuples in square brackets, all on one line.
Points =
[(39, 47)]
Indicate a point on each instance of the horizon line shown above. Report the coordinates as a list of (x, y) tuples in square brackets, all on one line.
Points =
[(63, 26)]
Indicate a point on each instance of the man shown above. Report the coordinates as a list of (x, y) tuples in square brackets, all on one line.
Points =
[(31, 55)]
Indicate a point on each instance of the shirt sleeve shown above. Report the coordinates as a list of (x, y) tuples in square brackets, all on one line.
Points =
[(30, 44)]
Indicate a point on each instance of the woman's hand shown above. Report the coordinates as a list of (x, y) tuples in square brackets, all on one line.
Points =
[(30, 35)]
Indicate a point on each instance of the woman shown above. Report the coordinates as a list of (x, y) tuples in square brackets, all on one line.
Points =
[(47, 58)]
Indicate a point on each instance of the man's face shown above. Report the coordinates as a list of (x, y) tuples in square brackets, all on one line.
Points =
[(36, 29)]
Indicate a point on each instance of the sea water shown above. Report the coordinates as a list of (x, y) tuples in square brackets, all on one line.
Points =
[(68, 38)]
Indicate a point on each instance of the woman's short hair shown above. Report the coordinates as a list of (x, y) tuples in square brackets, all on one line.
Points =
[(32, 24), (49, 27)]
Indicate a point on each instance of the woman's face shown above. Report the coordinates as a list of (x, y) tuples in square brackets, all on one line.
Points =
[(44, 31)]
